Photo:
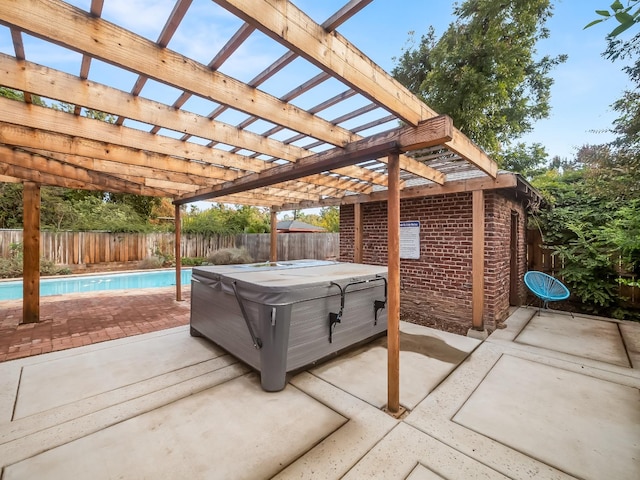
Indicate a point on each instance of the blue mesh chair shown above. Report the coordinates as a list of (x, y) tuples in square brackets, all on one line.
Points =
[(545, 287)]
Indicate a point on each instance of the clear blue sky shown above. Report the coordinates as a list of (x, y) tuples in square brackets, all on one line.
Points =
[(585, 86)]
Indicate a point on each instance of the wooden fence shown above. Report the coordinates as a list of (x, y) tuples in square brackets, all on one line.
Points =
[(85, 250)]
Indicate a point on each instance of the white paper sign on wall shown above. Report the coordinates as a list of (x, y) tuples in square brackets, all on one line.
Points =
[(410, 240)]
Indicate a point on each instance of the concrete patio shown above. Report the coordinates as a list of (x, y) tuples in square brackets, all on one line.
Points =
[(550, 396)]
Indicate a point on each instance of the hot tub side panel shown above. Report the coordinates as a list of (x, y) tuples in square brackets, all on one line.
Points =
[(309, 330), (217, 316)]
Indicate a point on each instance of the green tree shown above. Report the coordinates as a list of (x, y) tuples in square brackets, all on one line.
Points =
[(611, 173), (312, 218), (525, 159), (57, 211), (94, 214), (143, 206), (627, 125), (221, 219), (330, 219), (623, 235), (247, 219), (10, 205), (483, 71), (615, 167)]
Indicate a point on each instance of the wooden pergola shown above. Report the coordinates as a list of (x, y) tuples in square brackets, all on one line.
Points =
[(286, 153)]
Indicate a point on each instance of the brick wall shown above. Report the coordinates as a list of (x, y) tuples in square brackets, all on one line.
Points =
[(347, 233), (438, 285), (498, 218)]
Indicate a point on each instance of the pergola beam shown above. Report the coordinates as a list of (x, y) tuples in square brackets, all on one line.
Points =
[(161, 179), (431, 132), (117, 169), (97, 38), (41, 140), (20, 174), (51, 120), (308, 166), (9, 179), (11, 134), (468, 150), (505, 180), (35, 164)]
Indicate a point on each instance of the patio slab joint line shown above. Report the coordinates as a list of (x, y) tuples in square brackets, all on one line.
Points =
[(625, 346), (15, 399)]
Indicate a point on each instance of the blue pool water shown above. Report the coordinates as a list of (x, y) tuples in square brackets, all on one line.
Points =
[(88, 283)]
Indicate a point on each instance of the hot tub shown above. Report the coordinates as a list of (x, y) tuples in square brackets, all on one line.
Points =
[(281, 317)]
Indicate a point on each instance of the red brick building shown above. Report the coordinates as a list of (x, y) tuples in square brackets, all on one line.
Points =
[(437, 285)]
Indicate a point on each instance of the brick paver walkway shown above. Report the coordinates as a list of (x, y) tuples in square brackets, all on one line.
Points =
[(68, 321)]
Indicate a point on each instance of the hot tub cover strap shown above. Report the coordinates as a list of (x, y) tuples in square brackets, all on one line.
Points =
[(257, 343), (335, 318)]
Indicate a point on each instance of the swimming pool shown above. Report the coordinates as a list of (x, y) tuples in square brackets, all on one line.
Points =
[(12, 290)]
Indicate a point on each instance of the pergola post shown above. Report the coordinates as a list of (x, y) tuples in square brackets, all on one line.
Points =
[(178, 255), (31, 253), (357, 240), (393, 296), (273, 250), (477, 262)]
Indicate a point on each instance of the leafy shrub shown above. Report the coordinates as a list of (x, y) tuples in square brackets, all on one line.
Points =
[(12, 267), (166, 259), (229, 256), (192, 261), (151, 262), (593, 238), (47, 267)]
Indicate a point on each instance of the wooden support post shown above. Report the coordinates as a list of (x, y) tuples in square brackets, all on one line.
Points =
[(357, 241), (31, 253), (477, 263), (178, 254), (393, 298), (273, 250)]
